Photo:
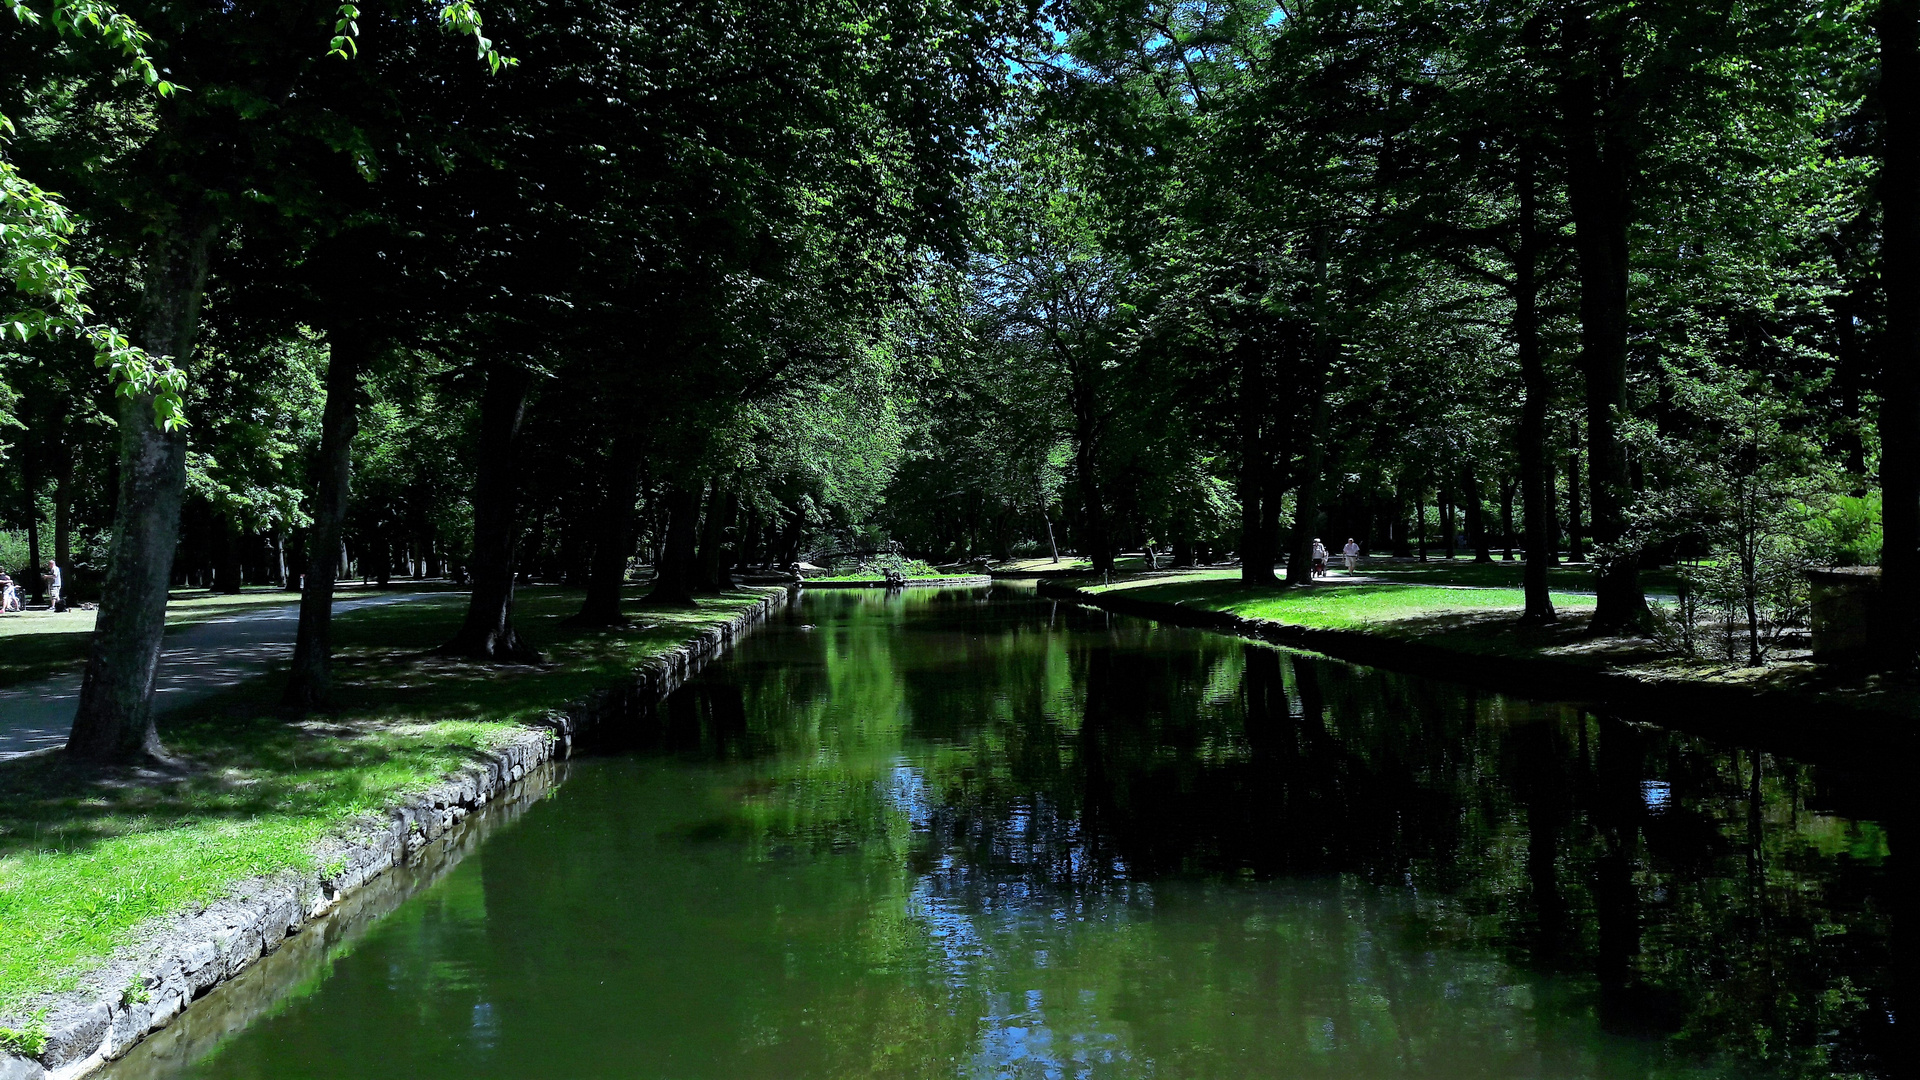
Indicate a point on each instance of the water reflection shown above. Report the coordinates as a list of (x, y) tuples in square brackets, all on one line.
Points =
[(945, 836)]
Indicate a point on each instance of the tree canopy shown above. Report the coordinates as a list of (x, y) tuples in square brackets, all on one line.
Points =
[(570, 290)]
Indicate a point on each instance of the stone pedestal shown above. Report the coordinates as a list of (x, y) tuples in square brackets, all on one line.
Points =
[(1846, 601)]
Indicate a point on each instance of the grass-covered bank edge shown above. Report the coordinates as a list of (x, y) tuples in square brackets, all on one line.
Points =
[(1871, 736), (106, 1006), (948, 581)]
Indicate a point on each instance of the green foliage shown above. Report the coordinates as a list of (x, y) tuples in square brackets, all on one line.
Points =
[(1848, 534), (29, 1040), (878, 566)]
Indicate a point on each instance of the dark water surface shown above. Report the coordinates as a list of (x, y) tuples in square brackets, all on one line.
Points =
[(967, 834)]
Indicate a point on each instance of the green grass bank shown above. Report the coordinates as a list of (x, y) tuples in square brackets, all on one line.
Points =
[(1460, 622), (88, 854)]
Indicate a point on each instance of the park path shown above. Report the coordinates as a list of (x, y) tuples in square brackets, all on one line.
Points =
[(195, 661)]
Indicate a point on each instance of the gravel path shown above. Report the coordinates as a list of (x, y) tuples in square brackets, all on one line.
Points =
[(197, 660)]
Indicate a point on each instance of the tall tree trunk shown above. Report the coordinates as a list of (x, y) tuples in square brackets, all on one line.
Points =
[(226, 567), (63, 489), (1536, 475), (30, 509), (1601, 166), (1576, 549), (1086, 457), (1256, 551), (310, 681), (796, 521), (722, 507), (1900, 367), (1506, 518), (1306, 498), (114, 720), (613, 537), (1476, 517), (673, 573), (1420, 518), (488, 632)]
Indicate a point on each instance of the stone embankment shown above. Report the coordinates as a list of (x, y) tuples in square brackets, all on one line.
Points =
[(1809, 724), (177, 959), (952, 581)]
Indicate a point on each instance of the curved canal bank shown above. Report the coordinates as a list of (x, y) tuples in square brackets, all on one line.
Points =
[(960, 581), (972, 833), (1809, 724), (175, 961)]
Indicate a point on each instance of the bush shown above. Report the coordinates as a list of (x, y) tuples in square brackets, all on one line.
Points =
[(13, 551), (876, 566), (1848, 534)]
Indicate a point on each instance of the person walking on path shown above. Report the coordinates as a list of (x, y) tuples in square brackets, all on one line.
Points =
[(1351, 553), (1319, 558), (54, 581), (9, 594)]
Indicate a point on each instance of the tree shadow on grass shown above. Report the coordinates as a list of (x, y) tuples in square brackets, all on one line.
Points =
[(401, 719)]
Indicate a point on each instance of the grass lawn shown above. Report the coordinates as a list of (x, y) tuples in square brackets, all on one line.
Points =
[(37, 644), (1328, 604), (88, 853)]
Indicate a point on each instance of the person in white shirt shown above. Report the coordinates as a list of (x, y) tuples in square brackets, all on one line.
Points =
[(1351, 553), (1319, 558), (54, 581)]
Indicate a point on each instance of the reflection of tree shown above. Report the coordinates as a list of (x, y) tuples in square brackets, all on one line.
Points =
[(1679, 889)]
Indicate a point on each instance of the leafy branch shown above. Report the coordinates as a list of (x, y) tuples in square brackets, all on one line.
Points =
[(461, 17), (35, 227)]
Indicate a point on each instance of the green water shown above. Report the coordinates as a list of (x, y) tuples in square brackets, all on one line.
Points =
[(963, 834)]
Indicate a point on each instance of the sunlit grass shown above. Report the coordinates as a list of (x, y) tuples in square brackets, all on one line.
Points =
[(1329, 604), (85, 856)]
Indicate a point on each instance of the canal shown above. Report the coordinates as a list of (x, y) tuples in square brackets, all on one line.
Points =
[(974, 834)]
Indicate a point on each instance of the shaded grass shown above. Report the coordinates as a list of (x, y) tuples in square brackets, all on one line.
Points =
[(86, 853), (40, 644)]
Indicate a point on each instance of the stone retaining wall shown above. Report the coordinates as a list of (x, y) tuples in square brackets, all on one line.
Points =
[(179, 958), (958, 581)]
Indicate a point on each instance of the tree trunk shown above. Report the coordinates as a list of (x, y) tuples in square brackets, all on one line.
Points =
[(1256, 551), (63, 492), (1536, 476), (1600, 170), (613, 538), (30, 508), (114, 720), (1900, 367), (1306, 499), (673, 573), (722, 508), (1086, 438), (1506, 519), (488, 633), (1576, 550), (1420, 519), (381, 544), (790, 537), (310, 681), (1476, 518), (226, 567)]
